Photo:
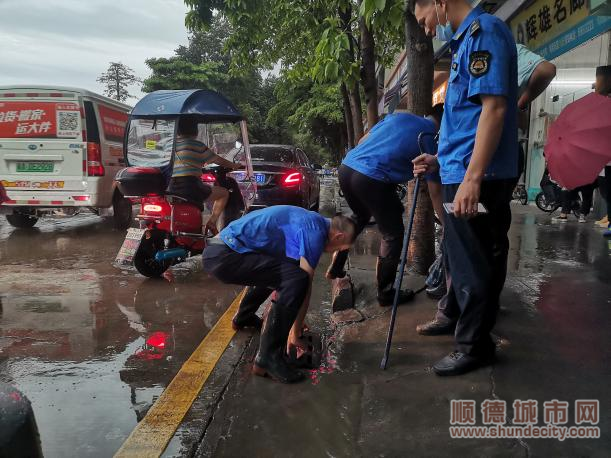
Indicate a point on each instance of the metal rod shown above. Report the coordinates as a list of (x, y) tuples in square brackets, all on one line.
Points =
[(399, 277)]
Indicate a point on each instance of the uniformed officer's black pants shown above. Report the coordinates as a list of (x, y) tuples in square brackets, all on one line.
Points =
[(368, 197), (262, 273), (476, 260)]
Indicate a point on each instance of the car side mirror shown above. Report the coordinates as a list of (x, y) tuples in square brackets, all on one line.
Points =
[(317, 166)]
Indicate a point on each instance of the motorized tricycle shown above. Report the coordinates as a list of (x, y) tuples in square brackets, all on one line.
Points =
[(170, 225)]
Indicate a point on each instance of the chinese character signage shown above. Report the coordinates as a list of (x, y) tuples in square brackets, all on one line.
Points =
[(39, 120), (546, 19), (557, 419)]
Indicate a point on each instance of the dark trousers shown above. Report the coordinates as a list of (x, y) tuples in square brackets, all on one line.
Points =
[(604, 184), (476, 253), (262, 273), (587, 192), (368, 197)]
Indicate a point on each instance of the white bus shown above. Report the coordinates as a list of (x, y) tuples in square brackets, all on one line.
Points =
[(60, 149)]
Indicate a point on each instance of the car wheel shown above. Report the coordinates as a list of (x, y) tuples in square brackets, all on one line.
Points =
[(21, 221)]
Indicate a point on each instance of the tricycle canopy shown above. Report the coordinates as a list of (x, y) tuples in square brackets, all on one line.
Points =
[(206, 105)]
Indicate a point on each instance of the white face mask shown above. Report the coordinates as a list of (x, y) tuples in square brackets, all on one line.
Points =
[(443, 32)]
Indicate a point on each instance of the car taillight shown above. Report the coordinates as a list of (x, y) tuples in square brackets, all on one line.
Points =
[(80, 198), (94, 160), (208, 178), (150, 208), (292, 179)]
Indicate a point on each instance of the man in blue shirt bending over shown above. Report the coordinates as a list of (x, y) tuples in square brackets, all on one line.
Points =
[(276, 248), (369, 176)]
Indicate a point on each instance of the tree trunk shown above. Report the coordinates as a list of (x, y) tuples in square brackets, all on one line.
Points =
[(357, 112), (348, 116), (419, 57), (368, 73), (356, 108)]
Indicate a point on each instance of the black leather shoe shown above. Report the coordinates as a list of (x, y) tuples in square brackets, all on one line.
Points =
[(386, 298), (436, 328), (250, 322), (458, 363)]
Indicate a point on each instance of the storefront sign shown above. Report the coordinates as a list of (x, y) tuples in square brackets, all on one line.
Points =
[(600, 7), (552, 27), (584, 31)]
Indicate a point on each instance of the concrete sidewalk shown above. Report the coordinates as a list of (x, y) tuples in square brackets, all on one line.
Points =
[(553, 341)]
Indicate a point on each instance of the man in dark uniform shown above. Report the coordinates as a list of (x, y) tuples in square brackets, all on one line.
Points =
[(276, 248), (478, 163), (369, 176)]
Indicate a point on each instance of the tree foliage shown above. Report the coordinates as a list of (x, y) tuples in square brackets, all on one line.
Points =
[(116, 79)]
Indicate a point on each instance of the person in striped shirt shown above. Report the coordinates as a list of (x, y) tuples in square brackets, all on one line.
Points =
[(190, 157)]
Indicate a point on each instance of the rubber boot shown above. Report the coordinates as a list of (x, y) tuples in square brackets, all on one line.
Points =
[(270, 359), (246, 316), (386, 271), (338, 261)]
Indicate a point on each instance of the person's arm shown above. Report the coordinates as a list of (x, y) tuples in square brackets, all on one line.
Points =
[(541, 77), (489, 131), (224, 162), (297, 329)]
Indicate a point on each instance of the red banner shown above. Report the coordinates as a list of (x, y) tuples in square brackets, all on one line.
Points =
[(33, 119), (113, 123)]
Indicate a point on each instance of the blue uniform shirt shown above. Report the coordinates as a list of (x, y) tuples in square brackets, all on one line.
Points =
[(280, 231), (387, 152), (484, 62)]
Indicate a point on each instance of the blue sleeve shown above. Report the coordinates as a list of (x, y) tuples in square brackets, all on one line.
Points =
[(489, 62), (311, 245)]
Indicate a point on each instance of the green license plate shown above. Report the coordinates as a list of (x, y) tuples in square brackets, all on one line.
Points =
[(35, 167)]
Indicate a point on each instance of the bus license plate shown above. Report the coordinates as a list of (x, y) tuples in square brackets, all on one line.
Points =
[(35, 167)]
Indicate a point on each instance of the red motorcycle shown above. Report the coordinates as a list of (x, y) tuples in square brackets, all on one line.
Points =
[(170, 225)]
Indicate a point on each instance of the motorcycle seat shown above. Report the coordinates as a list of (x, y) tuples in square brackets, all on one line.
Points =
[(175, 197)]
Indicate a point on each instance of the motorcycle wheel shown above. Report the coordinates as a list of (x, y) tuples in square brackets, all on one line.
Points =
[(144, 259), (544, 205)]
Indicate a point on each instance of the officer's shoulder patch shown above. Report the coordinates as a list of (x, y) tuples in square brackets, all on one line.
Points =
[(475, 27), (479, 63)]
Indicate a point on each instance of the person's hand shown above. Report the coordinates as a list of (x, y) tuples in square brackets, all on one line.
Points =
[(467, 199), (210, 227), (296, 344), (425, 164)]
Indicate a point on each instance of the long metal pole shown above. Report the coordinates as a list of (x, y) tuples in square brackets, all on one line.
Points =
[(399, 277)]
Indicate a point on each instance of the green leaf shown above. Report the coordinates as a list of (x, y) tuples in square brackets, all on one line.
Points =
[(331, 71), (380, 4)]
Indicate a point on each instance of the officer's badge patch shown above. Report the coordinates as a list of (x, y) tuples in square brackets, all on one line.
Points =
[(479, 63)]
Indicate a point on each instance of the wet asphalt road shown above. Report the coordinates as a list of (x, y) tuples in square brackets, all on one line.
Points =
[(93, 346)]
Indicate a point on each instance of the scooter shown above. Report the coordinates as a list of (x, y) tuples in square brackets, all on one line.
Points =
[(549, 199), (170, 225)]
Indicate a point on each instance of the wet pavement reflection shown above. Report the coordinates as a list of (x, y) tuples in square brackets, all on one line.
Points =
[(90, 345)]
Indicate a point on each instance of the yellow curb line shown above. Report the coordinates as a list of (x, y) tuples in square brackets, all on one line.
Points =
[(152, 435)]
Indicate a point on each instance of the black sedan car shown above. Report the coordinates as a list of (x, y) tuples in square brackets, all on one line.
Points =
[(285, 176)]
